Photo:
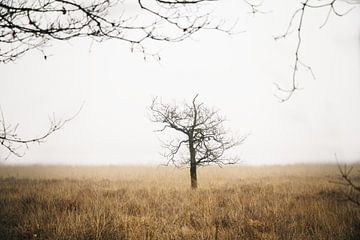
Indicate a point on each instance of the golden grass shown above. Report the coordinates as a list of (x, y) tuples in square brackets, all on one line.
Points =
[(289, 202)]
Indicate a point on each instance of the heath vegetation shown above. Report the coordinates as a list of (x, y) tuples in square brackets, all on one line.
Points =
[(277, 202)]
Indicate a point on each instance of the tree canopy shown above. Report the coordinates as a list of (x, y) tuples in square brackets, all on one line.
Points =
[(200, 131)]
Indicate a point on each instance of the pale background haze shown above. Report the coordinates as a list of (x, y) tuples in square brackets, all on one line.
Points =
[(232, 73)]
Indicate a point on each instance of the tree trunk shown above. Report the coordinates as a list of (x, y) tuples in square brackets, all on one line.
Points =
[(192, 162), (193, 176)]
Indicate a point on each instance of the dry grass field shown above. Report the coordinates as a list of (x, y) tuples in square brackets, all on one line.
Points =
[(277, 202)]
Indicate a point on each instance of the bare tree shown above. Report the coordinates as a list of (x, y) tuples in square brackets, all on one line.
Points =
[(199, 129)]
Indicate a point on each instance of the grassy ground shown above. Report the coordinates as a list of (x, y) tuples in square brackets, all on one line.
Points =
[(292, 202)]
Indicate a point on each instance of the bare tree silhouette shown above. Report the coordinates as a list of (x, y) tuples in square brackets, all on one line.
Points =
[(201, 132)]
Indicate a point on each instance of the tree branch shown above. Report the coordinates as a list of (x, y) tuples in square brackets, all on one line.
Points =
[(286, 93), (12, 143)]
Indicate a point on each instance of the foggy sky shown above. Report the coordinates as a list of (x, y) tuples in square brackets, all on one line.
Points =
[(232, 73)]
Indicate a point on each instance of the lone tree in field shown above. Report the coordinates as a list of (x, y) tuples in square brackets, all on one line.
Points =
[(199, 130)]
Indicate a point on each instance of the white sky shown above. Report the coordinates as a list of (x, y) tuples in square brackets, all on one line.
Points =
[(235, 74)]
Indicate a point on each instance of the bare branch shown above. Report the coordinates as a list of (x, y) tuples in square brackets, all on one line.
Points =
[(12, 144), (353, 189), (297, 21), (28, 25)]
